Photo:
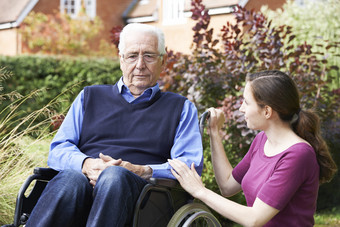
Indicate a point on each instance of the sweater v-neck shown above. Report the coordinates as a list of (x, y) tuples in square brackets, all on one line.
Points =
[(136, 105)]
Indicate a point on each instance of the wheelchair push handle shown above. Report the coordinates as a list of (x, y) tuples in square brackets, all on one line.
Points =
[(202, 121)]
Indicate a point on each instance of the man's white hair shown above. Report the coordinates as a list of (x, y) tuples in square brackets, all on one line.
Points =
[(143, 28)]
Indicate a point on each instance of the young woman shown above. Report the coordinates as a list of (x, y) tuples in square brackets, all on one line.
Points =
[(286, 162)]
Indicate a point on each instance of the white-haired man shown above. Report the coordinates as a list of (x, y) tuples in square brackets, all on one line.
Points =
[(115, 137)]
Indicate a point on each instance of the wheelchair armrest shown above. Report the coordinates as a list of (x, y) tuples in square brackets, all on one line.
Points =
[(45, 173), (25, 204), (166, 182), (39, 173)]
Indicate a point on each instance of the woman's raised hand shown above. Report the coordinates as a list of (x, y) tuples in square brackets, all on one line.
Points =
[(216, 119)]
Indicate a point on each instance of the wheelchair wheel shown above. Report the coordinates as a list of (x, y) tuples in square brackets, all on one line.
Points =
[(193, 214)]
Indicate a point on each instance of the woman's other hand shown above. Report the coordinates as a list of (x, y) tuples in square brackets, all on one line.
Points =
[(188, 178)]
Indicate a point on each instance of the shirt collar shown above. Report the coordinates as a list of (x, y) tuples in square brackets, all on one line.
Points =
[(153, 89)]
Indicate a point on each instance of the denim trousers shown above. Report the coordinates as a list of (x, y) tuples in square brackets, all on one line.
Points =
[(70, 200)]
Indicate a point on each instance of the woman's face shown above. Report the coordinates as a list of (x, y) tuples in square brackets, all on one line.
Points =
[(253, 113)]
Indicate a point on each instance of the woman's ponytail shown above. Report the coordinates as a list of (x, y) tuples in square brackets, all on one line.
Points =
[(307, 126)]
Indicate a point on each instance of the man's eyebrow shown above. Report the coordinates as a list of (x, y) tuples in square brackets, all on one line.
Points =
[(132, 52), (145, 52), (150, 52)]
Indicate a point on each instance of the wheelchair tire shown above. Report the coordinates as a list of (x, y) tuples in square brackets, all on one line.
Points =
[(192, 213)]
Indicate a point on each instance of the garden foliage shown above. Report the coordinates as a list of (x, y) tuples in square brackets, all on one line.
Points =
[(313, 21)]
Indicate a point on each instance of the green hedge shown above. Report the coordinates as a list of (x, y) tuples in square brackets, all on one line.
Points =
[(56, 74)]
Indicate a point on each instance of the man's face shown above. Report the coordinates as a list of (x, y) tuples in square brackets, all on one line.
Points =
[(141, 74)]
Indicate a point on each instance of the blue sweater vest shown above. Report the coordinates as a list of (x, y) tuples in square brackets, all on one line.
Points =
[(140, 133)]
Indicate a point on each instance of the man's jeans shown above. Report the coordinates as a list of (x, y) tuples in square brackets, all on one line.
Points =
[(69, 199)]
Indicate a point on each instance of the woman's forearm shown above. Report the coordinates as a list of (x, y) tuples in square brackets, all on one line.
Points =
[(258, 215), (221, 165)]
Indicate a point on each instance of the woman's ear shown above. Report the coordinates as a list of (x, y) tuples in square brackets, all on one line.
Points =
[(268, 111)]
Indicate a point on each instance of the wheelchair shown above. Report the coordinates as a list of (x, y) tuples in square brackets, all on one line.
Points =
[(162, 202)]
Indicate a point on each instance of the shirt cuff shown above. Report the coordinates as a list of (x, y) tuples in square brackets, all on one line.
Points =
[(161, 171)]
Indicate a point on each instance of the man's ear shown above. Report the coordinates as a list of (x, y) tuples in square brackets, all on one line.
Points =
[(268, 111), (164, 60)]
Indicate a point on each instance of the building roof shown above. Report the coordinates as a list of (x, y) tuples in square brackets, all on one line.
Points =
[(13, 12)]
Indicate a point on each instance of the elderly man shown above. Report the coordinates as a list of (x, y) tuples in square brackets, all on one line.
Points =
[(115, 137)]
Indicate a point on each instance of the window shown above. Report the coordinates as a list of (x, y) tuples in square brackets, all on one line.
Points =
[(90, 6), (73, 7), (143, 2), (173, 12)]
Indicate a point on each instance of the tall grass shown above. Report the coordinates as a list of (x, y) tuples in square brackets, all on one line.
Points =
[(21, 134), (15, 168)]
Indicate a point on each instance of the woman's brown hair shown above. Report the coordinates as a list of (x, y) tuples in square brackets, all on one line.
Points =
[(277, 90)]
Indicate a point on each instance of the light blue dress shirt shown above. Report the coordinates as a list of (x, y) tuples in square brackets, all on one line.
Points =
[(187, 147)]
